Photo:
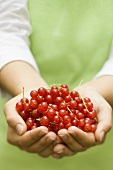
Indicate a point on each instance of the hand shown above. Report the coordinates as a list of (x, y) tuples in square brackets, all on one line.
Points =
[(38, 140), (76, 140)]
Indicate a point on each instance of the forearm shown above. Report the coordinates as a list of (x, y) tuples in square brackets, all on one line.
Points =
[(104, 85), (16, 75)]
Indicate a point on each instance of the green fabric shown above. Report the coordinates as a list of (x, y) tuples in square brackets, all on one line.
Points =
[(71, 38), (70, 41)]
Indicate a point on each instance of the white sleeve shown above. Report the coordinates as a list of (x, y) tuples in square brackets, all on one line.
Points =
[(107, 68), (15, 30)]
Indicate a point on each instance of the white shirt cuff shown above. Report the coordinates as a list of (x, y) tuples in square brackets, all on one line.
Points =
[(107, 68), (14, 48)]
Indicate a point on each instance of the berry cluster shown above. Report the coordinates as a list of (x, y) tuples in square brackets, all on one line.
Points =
[(57, 108)]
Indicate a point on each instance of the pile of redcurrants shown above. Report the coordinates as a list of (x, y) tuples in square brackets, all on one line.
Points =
[(57, 108)]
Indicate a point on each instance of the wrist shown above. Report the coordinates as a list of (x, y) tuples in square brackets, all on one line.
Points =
[(17, 75), (104, 86)]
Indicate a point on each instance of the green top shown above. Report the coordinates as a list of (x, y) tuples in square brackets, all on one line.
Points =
[(71, 38)]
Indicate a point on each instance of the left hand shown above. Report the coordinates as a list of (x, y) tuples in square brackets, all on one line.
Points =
[(74, 139)]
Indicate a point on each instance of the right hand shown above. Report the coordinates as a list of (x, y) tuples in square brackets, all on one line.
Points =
[(38, 140)]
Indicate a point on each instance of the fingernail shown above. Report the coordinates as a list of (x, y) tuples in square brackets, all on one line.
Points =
[(19, 129), (64, 137), (49, 139), (56, 142), (72, 132), (43, 132), (102, 136), (55, 155), (61, 151)]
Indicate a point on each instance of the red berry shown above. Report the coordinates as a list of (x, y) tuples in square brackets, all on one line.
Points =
[(68, 125), (80, 107), (34, 126), (78, 99), (44, 106), (80, 115), (67, 98), (44, 121), (89, 106), (42, 91), (34, 94), (40, 99), (72, 104), (24, 100), (72, 116), (33, 104), (81, 123), (64, 92), (93, 128), (48, 91), (61, 125), (56, 119), (74, 94), (19, 107), (63, 105), (62, 113), (87, 127), (27, 107), (55, 107), (66, 119), (64, 85), (92, 114), (87, 100), (29, 123), (88, 120), (24, 114), (35, 113), (54, 92), (51, 113), (54, 87), (58, 100), (75, 122), (49, 99)]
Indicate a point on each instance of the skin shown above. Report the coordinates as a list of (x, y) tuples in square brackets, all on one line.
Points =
[(77, 140), (40, 141)]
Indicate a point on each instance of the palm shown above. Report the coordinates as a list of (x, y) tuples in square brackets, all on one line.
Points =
[(77, 140)]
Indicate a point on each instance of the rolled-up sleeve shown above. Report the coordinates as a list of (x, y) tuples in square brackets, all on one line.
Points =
[(15, 30), (107, 68)]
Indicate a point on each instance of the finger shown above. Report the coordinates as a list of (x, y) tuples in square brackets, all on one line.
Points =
[(104, 118), (60, 150), (70, 141), (13, 118), (49, 151), (42, 144), (28, 138), (83, 138)]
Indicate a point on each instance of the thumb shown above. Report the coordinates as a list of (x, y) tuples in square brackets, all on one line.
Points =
[(104, 124), (14, 120)]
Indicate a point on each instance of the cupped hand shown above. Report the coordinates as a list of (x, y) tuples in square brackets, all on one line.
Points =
[(75, 140), (38, 140)]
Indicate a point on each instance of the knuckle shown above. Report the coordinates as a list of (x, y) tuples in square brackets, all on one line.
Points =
[(110, 127), (44, 155), (88, 145), (33, 138), (69, 142), (19, 143), (9, 141), (29, 150), (9, 119)]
